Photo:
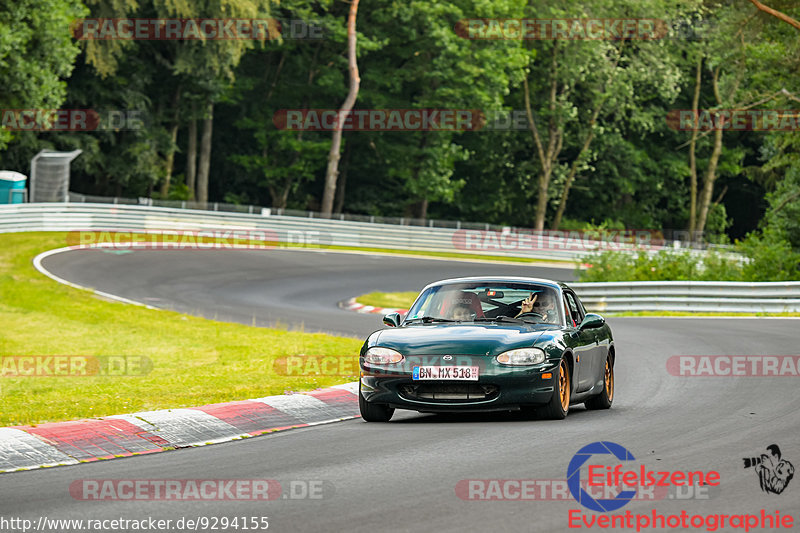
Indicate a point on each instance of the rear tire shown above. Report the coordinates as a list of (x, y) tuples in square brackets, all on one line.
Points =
[(373, 412), (605, 398), (558, 407)]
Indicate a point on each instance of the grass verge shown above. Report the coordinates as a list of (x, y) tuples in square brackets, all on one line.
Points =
[(194, 361), (394, 300)]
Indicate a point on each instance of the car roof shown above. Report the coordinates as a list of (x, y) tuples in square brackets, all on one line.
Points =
[(501, 279)]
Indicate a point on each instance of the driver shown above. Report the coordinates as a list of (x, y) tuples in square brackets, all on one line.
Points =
[(544, 303)]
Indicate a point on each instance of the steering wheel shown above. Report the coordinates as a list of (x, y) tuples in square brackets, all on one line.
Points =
[(540, 315)]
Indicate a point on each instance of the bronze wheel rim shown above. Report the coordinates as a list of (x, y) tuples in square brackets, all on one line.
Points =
[(609, 380), (563, 385)]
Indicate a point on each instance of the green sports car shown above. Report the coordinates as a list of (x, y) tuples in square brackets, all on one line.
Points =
[(489, 344)]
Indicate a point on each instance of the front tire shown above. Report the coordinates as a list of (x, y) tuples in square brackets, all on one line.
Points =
[(605, 398), (373, 412), (558, 407)]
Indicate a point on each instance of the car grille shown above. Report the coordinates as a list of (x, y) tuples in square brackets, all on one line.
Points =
[(449, 392)]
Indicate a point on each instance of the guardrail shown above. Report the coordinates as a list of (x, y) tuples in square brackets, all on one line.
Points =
[(313, 232), (694, 296), (562, 246), (676, 238)]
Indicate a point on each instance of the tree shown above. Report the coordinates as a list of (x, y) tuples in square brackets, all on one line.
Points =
[(585, 78), (742, 60), (425, 64), (36, 54), (203, 68), (344, 111), (775, 13)]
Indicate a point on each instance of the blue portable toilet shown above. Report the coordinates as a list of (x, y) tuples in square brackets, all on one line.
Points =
[(12, 187)]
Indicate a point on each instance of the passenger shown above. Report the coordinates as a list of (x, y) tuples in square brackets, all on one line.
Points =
[(462, 312), (465, 299)]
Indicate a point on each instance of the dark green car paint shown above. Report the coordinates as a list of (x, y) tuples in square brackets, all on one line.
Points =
[(585, 347)]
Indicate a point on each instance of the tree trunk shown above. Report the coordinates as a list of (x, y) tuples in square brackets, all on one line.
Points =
[(191, 157), (347, 106), (422, 212), (541, 198), (711, 171), (562, 204), (548, 157), (544, 177), (176, 99), (341, 183), (692, 156), (205, 155), (280, 196), (708, 186)]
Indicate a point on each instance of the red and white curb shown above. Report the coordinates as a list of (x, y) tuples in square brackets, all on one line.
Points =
[(352, 305), (68, 443)]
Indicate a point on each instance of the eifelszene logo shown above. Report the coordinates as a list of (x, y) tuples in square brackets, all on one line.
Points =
[(574, 476), (774, 473), (625, 481)]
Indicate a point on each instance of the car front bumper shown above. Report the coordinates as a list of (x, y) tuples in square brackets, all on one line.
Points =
[(498, 388)]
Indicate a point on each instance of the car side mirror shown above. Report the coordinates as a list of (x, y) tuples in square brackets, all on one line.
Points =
[(592, 321), (392, 320)]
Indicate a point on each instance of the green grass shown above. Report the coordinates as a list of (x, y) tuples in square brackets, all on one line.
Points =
[(194, 361), (395, 300)]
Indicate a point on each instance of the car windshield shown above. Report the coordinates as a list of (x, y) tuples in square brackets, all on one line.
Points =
[(482, 301)]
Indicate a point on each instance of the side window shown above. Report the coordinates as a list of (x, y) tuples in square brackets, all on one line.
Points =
[(580, 306), (568, 313), (574, 308)]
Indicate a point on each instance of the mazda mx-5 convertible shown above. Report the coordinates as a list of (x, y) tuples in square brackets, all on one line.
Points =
[(489, 344)]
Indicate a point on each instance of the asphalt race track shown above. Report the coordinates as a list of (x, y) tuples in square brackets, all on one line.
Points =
[(299, 289), (402, 476)]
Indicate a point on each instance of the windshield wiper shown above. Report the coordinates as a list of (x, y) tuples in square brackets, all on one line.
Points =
[(504, 318), (429, 319)]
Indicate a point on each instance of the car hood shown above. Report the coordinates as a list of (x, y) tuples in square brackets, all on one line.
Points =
[(459, 339)]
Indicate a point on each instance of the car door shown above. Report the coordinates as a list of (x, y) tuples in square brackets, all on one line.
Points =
[(587, 352)]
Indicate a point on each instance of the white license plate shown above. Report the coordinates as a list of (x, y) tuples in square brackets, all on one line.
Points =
[(460, 373)]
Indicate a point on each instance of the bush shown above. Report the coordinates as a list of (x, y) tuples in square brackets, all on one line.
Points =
[(771, 257), (765, 256), (666, 265)]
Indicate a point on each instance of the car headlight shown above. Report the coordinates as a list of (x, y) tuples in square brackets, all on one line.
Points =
[(382, 356), (522, 356)]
